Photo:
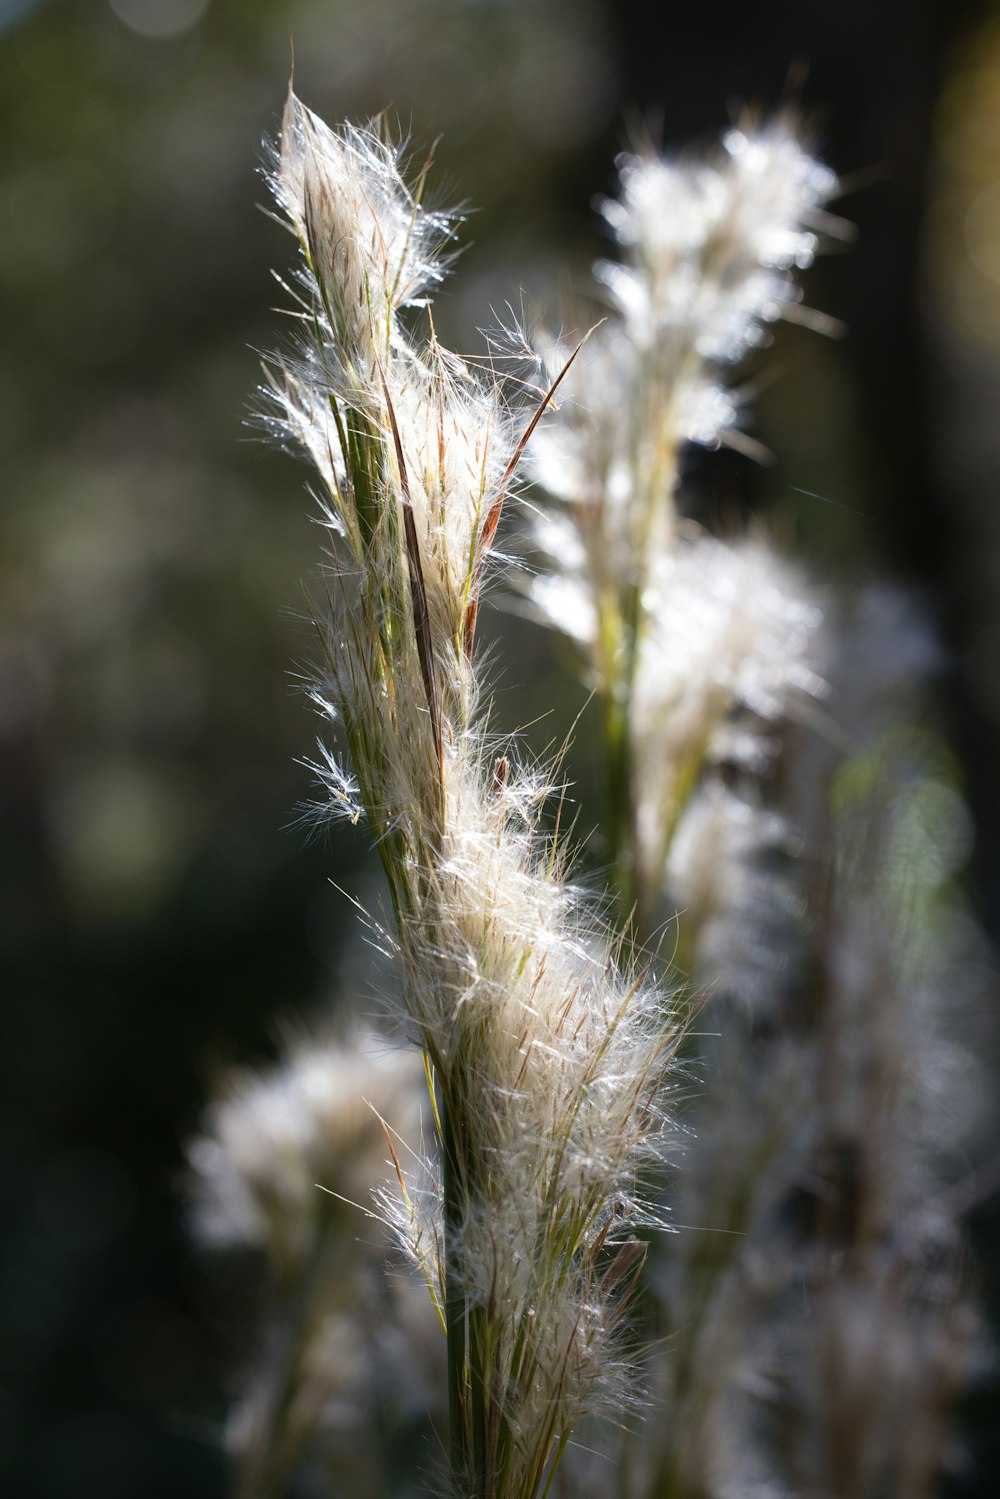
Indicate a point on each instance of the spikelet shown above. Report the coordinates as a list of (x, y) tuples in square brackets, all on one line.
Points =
[(270, 1138), (728, 653), (284, 1159), (710, 249), (679, 632), (711, 245), (371, 248)]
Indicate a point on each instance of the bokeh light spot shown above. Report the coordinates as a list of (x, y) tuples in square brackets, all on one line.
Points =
[(159, 18)]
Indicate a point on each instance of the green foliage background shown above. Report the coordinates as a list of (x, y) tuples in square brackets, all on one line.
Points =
[(156, 911)]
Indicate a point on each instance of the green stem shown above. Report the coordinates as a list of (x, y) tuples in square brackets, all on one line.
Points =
[(454, 1183), (267, 1462)]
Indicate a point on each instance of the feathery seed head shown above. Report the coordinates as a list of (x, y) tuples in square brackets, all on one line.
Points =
[(711, 244), (370, 244), (709, 250), (547, 1063), (730, 629), (270, 1139)]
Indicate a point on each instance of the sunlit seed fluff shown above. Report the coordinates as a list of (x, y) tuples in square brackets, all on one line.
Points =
[(280, 1154), (707, 413), (568, 1061), (272, 1141), (582, 452), (710, 245), (456, 438), (729, 870), (371, 246), (519, 952), (730, 627), (778, 190), (741, 610)]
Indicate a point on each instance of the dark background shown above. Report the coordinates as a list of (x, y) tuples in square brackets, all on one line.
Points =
[(157, 912)]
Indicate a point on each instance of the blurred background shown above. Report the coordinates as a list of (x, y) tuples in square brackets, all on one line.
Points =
[(158, 912)]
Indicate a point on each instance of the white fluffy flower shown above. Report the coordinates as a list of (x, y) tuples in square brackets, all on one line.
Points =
[(711, 246), (730, 628), (274, 1140), (371, 246)]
